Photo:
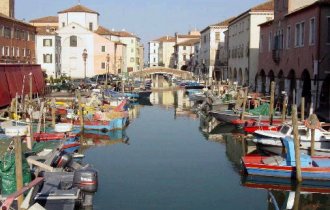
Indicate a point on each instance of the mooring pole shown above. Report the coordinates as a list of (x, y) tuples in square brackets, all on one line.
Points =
[(272, 96), (244, 103), (284, 109), (53, 107), (296, 142), (302, 109), (19, 168)]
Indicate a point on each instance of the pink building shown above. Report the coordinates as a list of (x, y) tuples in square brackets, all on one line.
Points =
[(295, 52)]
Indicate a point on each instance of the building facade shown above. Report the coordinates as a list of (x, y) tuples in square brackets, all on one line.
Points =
[(295, 49), (17, 41), (212, 40), (153, 53), (166, 52), (185, 52), (243, 43), (7, 8)]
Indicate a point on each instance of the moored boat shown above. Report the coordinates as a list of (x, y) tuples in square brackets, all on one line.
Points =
[(312, 168)]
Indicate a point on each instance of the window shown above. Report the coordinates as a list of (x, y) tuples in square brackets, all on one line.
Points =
[(154, 60), (184, 57), (73, 41), (132, 41), (154, 51), (217, 36), (2, 29), (328, 38), (17, 52), (132, 59), (299, 35), (6, 51), (103, 49), (47, 42), (48, 58), (312, 31), (91, 26), (16, 33), (205, 39), (103, 65), (288, 37), (184, 47), (7, 32), (270, 42), (63, 24), (132, 50)]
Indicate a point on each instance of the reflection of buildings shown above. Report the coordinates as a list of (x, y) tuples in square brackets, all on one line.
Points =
[(93, 138), (163, 98), (134, 112)]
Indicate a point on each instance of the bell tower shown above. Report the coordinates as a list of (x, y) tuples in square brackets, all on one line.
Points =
[(7, 7)]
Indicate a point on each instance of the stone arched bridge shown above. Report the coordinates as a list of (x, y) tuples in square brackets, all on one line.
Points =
[(162, 70)]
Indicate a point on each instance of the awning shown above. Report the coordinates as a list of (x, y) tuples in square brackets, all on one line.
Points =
[(4, 89)]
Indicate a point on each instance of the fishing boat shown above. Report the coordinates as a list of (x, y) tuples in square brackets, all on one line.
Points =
[(259, 114), (138, 94), (312, 168), (264, 127), (271, 140), (107, 125)]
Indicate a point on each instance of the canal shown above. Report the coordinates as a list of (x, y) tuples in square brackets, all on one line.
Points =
[(170, 158)]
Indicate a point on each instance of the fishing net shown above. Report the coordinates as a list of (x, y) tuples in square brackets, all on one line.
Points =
[(260, 110), (8, 173)]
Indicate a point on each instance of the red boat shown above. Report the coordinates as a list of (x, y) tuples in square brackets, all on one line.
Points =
[(253, 122), (52, 136), (252, 129)]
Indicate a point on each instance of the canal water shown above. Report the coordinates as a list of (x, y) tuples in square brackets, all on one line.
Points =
[(170, 158)]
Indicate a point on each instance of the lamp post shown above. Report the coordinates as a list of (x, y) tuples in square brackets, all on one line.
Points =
[(84, 56), (106, 76)]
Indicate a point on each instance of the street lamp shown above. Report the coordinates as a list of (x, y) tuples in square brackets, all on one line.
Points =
[(84, 56), (106, 76)]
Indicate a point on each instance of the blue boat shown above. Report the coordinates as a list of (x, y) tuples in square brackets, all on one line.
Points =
[(312, 168), (114, 124)]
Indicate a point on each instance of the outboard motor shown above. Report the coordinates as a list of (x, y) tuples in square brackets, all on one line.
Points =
[(86, 179), (61, 160)]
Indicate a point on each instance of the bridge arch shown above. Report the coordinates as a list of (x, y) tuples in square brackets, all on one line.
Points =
[(162, 70)]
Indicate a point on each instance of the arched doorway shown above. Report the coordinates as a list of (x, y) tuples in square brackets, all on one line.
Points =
[(184, 67), (281, 83), (271, 77), (263, 81), (246, 77), (240, 77), (307, 87), (325, 96), (292, 86), (235, 75)]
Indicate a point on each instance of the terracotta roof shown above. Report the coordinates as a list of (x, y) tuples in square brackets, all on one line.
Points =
[(104, 31), (46, 31), (17, 21), (190, 42), (165, 39), (124, 34), (78, 8), (224, 23), (188, 36), (264, 7), (48, 19)]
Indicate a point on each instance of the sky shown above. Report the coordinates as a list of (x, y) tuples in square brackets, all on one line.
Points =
[(148, 19)]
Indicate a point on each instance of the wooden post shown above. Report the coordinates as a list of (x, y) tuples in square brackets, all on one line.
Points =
[(296, 142), (53, 107), (31, 88), (40, 116), (284, 109), (81, 114), (29, 136), (312, 142), (272, 96), (302, 109), (244, 103), (19, 168), (297, 197), (12, 108)]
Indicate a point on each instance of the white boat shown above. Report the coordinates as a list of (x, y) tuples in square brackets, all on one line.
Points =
[(271, 140)]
